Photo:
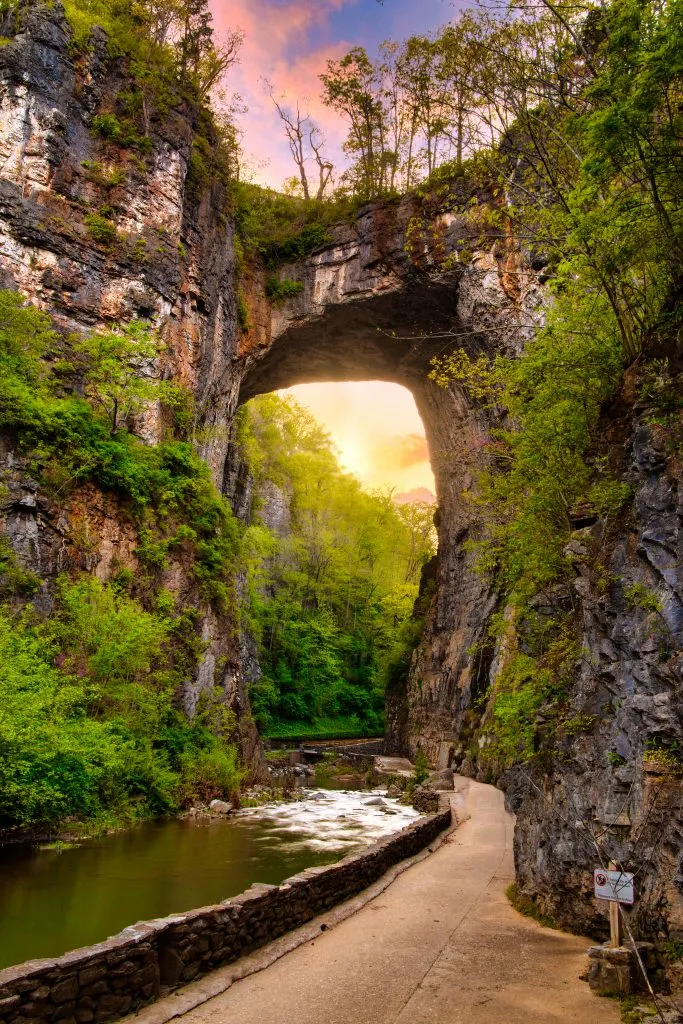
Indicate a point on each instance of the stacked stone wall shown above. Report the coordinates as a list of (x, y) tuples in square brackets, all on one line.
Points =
[(113, 978)]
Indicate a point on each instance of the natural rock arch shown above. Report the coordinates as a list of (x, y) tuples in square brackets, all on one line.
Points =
[(395, 267), (371, 308)]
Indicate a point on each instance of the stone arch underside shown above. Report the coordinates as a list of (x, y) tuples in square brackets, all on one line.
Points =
[(356, 341), (360, 325)]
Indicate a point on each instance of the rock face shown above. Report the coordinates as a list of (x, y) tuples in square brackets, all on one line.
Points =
[(607, 782), (368, 298), (387, 294), (173, 262)]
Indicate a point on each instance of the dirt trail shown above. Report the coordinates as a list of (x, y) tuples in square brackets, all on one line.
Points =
[(441, 945)]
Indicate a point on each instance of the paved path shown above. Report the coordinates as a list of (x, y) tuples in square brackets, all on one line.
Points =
[(441, 945)]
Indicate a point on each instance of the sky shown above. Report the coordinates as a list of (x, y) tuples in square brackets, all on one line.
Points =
[(376, 429), (375, 425), (288, 43)]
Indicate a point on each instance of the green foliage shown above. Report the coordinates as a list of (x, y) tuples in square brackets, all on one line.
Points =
[(337, 727), (530, 688), (283, 228), (118, 371), (601, 202), (170, 46), (664, 758), (526, 906), (554, 395), (121, 131), (578, 724), (68, 440), (107, 126), (672, 950), (102, 230), (279, 289), (87, 718), (329, 601), (421, 768), (170, 58), (638, 596), (88, 725)]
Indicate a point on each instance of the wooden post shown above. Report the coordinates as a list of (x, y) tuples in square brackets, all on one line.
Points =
[(614, 917)]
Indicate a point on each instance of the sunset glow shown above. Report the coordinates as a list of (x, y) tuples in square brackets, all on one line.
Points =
[(288, 43), (375, 426), (376, 429)]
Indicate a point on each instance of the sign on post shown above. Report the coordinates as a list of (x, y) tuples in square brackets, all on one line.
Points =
[(615, 886)]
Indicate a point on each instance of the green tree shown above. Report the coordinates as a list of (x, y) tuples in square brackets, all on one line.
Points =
[(330, 597), (353, 86), (120, 371)]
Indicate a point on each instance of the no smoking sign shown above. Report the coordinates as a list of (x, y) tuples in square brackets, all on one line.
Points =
[(616, 886)]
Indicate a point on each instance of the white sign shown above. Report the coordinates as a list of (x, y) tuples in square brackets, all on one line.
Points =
[(616, 886)]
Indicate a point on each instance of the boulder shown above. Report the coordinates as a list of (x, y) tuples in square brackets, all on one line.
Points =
[(425, 800), (220, 807), (440, 781)]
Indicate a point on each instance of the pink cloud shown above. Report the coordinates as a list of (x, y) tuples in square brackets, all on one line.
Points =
[(276, 48)]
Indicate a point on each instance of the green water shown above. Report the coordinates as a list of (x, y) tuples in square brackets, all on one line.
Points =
[(52, 902)]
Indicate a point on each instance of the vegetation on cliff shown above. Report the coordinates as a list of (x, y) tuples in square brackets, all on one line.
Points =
[(331, 592), (570, 117), (90, 720), (592, 172)]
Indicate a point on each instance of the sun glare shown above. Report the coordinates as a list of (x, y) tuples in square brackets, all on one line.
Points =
[(376, 429)]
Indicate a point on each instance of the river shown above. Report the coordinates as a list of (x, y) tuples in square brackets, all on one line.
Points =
[(52, 901)]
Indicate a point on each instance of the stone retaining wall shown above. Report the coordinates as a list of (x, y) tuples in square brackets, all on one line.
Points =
[(106, 981)]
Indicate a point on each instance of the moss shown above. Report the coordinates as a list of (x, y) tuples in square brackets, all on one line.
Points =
[(526, 906)]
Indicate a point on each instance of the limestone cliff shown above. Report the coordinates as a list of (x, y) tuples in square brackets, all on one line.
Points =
[(389, 291), (172, 262), (598, 775), (606, 775)]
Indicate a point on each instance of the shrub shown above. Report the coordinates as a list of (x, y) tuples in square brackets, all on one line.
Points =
[(421, 769), (279, 290), (107, 126), (102, 230), (121, 131), (637, 595)]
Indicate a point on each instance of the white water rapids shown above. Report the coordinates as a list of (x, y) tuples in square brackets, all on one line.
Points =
[(331, 820)]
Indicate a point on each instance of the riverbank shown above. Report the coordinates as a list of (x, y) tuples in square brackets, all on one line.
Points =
[(287, 773), (112, 977), (440, 945), (174, 865)]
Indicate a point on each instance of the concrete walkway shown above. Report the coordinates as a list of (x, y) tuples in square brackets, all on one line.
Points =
[(441, 945)]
